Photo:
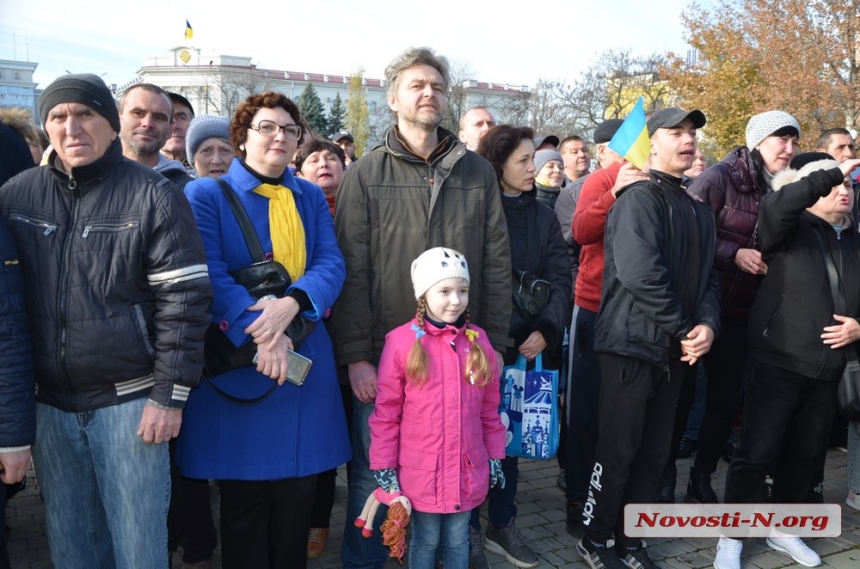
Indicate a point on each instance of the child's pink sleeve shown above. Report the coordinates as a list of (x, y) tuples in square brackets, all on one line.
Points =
[(385, 420), (494, 430)]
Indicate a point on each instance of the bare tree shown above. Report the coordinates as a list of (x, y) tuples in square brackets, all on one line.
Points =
[(224, 87), (610, 88), (461, 74)]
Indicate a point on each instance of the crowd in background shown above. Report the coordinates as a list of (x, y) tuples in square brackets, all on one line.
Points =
[(693, 308)]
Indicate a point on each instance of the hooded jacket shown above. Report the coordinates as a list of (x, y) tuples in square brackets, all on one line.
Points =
[(116, 285), (391, 207), (734, 191), (439, 435), (656, 287), (794, 302)]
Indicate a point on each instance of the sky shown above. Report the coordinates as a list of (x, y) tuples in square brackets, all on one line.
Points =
[(509, 41)]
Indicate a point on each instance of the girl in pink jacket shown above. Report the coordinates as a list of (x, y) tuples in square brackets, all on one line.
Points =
[(435, 433)]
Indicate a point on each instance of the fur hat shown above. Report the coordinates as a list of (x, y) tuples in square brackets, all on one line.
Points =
[(203, 128), (437, 264), (544, 156), (762, 125), (802, 166), (86, 89)]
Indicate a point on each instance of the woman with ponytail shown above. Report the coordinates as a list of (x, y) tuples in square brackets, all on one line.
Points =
[(436, 434)]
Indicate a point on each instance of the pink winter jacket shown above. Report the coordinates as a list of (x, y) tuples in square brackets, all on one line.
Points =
[(440, 436)]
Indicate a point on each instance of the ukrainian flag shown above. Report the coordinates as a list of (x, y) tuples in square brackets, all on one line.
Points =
[(632, 141), (189, 33)]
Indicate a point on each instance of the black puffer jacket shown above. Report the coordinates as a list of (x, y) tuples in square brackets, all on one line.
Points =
[(538, 248), (17, 391), (734, 190), (117, 289), (794, 303), (656, 287)]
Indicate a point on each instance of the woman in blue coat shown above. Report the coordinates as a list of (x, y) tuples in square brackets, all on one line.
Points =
[(267, 456)]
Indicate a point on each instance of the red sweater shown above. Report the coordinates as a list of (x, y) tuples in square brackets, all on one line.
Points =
[(589, 225)]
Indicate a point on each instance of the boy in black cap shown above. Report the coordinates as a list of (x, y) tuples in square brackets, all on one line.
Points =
[(659, 313)]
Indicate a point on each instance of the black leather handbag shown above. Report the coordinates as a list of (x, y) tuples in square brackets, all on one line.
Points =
[(530, 294), (263, 277)]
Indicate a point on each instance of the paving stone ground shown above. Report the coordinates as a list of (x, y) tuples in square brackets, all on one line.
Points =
[(541, 519)]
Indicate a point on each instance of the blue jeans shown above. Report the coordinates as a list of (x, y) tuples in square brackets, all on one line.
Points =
[(106, 492), (429, 531), (357, 551)]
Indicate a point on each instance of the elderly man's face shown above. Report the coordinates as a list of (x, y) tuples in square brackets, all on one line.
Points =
[(78, 134)]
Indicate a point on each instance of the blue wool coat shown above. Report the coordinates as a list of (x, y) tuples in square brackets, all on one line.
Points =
[(298, 431)]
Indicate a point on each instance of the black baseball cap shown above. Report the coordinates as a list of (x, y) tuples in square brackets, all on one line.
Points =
[(673, 116)]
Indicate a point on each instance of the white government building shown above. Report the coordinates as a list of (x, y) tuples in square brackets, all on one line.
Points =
[(216, 84)]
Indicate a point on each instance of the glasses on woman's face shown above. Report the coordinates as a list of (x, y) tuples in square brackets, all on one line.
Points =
[(271, 128)]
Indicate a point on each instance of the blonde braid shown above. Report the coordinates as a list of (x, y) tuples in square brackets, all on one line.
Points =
[(477, 365), (417, 364)]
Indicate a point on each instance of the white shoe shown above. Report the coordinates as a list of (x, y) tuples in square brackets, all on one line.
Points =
[(728, 553), (853, 500), (796, 549)]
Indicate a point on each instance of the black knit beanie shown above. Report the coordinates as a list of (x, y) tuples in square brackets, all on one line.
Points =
[(86, 89)]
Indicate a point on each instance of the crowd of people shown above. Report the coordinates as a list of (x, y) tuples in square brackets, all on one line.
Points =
[(187, 299)]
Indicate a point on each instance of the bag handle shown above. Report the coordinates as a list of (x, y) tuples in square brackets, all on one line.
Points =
[(835, 286), (523, 363), (251, 239)]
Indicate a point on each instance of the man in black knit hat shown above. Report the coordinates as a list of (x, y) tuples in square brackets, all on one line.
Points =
[(117, 293)]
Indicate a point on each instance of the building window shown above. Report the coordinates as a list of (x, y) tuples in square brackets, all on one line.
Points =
[(17, 75)]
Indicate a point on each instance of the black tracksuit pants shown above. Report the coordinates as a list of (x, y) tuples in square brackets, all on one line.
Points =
[(636, 417)]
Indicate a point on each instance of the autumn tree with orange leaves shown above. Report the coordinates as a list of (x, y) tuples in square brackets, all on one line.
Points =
[(800, 56)]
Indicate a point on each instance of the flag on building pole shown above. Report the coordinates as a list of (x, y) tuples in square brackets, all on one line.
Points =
[(631, 140), (189, 33)]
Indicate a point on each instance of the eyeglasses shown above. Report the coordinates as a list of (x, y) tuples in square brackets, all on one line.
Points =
[(270, 128)]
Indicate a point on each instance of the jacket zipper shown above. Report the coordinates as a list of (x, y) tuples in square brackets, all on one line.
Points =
[(65, 278), (773, 314), (109, 228), (49, 227)]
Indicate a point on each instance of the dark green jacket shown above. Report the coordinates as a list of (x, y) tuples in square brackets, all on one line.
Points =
[(391, 207)]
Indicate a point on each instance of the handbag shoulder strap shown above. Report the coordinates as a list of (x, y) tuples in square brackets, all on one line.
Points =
[(245, 224), (835, 285)]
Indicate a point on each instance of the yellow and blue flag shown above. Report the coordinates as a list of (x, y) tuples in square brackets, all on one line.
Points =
[(189, 33), (631, 140)]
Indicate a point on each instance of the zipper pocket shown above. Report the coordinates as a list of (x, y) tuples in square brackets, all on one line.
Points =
[(141, 328), (44, 225), (773, 314), (109, 228)]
